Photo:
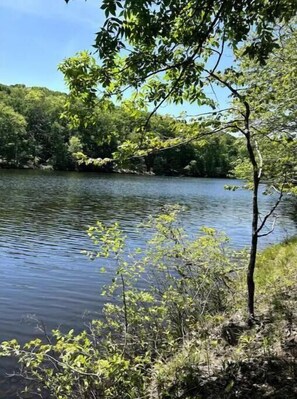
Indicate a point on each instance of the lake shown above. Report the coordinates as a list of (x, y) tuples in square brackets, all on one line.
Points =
[(43, 218)]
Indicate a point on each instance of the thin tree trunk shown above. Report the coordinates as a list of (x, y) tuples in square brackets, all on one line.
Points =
[(253, 250), (257, 171)]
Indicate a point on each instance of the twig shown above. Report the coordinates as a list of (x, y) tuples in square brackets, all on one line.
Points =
[(270, 231), (267, 216)]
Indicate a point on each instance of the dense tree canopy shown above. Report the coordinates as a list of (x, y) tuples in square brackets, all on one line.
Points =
[(13, 128), (33, 134)]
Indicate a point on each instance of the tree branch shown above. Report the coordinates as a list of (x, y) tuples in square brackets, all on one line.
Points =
[(267, 216)]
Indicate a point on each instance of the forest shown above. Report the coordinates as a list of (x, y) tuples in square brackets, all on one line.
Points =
[(34, 134)]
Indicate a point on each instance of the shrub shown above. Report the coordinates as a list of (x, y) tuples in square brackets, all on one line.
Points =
[(158, 296)]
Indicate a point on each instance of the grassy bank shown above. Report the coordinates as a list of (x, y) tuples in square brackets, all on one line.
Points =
[(228, 359)]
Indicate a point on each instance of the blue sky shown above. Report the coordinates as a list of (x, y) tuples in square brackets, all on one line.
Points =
[(36, 35)]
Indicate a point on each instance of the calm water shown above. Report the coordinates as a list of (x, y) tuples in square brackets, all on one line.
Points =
[(43, 218)]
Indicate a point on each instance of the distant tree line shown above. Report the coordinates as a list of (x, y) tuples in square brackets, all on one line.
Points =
[(34, 134)]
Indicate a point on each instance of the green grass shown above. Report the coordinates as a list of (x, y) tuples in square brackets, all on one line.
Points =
[(276, 272)]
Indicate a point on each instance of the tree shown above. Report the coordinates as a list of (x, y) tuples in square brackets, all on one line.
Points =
[(266, 96), (12, 135), (45, 128), (171, 51), (46, 135)]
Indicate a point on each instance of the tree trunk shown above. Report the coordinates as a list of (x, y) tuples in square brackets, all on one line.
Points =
[(257, 171), (254, 242), (253, 250)]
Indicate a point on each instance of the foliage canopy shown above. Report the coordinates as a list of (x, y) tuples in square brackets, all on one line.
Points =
[(172, 45)]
